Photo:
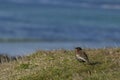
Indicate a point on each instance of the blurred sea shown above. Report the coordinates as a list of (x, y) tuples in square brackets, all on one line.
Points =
[(29, 25)]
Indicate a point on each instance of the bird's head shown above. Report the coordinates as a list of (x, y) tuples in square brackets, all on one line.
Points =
[(78, 49)]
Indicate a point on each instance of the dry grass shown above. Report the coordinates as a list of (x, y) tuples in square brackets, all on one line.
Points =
[(62, 65)]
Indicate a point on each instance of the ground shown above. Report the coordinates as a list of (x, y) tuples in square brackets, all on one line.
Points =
[(62, 65)]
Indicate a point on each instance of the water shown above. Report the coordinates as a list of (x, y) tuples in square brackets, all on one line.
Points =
[(54, 24)]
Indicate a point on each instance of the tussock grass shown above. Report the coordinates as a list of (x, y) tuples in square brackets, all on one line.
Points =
[(62, 65)]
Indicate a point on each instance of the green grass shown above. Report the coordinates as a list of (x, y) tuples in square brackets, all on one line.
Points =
[(62, 65)]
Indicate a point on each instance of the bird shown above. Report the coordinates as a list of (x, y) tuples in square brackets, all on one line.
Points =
[(81, 56)]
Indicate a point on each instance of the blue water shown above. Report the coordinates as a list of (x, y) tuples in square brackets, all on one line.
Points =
[(55, 24)]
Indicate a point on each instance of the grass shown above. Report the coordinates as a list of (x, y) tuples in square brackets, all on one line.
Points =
[(62, 65)]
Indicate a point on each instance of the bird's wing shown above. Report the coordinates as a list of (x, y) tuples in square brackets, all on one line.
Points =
[(85, 56)]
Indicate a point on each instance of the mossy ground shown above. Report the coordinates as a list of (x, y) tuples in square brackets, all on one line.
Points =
[(62, 65)]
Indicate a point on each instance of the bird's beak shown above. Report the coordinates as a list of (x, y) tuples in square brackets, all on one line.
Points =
[(75, 50)]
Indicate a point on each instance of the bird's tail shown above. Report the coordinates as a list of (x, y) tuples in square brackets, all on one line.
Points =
[(89, 62)]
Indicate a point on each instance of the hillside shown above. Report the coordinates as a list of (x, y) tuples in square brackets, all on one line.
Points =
[(62, 65)]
